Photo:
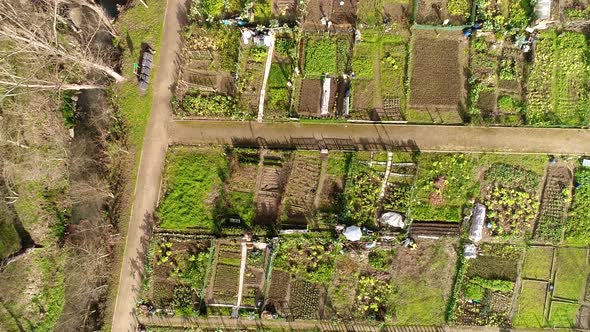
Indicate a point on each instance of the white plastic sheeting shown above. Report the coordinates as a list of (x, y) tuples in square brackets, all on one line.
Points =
[(392, 219), (543, 9), (353, 233), (325, 107), (477, 221), (470, 251)]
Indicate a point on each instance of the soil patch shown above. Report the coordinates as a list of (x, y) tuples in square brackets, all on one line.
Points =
[(435, 12), (436, 78)]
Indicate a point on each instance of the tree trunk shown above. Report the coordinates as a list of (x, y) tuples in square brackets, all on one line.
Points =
[(55, 86)]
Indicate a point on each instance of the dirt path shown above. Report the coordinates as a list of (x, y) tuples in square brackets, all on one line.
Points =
[(149, 175), (386, 176), (338, 136)]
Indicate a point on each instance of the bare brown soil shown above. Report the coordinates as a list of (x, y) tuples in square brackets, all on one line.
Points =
[(398, 12), (342, 17), (434, 228), (436, 73), (435, 12), (363, 98), (310, 95), (301, 189), (278, 290), (284, 7), (487, 102)]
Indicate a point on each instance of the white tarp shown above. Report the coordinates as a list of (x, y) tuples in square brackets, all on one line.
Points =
[(477, 221), (353, 233), (392, 219), (543, 9), (470, 251), (324, 107), (586, 162)]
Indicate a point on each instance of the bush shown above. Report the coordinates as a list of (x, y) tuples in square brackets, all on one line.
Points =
[(509, 104), (285, 47)]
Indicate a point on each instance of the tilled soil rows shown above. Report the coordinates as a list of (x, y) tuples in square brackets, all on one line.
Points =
[(436, 78)]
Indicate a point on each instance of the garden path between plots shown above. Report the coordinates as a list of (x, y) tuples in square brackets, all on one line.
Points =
[(347, 136)]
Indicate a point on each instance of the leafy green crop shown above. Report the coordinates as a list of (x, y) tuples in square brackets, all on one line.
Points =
[(578, 222)]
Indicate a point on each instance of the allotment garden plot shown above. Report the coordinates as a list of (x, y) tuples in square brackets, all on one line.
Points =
[(554, 287), (321, 88), (265, 234), (437, 91), (378, 84), (557, 86)]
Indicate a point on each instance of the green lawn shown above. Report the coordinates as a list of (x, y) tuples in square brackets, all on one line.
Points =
[(537, 263), (563, 314), (530, 305), (338, 163), (572, 271), (192, 183), (136, 26), (240, 204)]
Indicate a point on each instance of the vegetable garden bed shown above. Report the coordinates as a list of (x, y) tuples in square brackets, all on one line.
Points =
[(436, 77), (378, 85), (557, 89), (177, 274), (578, 224)]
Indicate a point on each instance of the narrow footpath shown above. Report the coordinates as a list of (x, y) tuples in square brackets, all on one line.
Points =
[(148, 177)]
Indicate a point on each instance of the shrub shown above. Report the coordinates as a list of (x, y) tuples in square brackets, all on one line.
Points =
[(509, 104), (285, 46)]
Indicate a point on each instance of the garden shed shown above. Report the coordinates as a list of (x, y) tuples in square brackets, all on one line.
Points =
[(477, 221)]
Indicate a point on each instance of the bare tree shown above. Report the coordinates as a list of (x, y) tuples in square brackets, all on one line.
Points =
[(40, 32)]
